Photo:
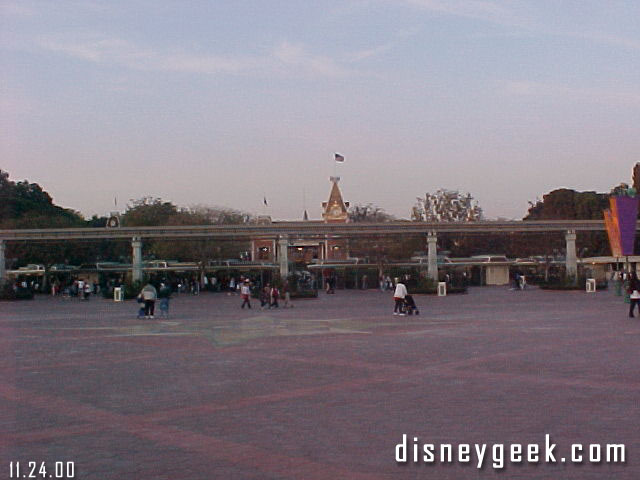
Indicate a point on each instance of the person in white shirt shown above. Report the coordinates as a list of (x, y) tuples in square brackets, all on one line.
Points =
[(398, 296), (245, 293)]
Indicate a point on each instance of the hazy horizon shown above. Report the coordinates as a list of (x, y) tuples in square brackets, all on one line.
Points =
[(226, 103)]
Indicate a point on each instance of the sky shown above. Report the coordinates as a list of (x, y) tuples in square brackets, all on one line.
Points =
[(225, 103)]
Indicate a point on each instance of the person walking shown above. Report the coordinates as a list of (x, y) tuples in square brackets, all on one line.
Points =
[(287, 296), (149, 295), (165, 299), (275, 294), (245, 293), (265, 293), (634, 293), (398, 296)]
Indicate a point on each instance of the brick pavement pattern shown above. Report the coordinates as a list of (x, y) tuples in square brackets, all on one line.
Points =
[(324, 390)]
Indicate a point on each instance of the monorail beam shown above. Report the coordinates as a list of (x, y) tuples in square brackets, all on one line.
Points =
[(303, 229)]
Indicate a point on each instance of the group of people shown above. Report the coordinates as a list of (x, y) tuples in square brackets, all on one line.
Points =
[(148, 296), (385, 283), (83, 289), (269, 295)]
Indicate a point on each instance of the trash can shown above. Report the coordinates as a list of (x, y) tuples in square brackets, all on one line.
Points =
[(118, 294)]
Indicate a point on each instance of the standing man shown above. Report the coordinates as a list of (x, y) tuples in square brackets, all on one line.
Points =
[(398, 296)]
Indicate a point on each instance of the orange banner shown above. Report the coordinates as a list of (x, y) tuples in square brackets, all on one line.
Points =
[(613, 232)]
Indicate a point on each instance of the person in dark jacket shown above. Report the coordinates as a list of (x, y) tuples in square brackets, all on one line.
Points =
[(634, 293)]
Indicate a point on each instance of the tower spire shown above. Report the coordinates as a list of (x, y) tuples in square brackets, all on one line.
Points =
[(335, 209)]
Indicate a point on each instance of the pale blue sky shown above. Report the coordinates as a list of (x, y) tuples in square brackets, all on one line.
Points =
[(217, 102)]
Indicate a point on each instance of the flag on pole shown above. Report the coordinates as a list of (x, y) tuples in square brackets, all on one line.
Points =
[(339, 158)]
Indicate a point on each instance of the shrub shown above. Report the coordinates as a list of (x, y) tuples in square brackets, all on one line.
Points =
[(429, 287), (7, 292)]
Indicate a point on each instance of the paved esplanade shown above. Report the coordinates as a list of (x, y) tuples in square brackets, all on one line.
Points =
[(283, 231), (322, 391)]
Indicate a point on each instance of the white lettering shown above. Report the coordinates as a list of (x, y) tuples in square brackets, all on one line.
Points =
[(594, 453), (463, 453), (532, 453), (401, 450), (498, 455), (449, 449), (615, 448), (516, 453), (429, 449), (549, 449), (575, 458), (480, 453)]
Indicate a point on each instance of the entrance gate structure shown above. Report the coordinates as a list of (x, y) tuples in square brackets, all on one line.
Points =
[(284, 234)]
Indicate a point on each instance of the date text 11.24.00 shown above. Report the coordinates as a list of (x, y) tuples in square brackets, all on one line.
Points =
[(41, 470)]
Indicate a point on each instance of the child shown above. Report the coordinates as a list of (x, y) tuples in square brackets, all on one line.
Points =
[(141, 304), (164, 306)]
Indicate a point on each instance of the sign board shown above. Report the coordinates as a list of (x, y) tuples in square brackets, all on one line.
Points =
[(442, 289)]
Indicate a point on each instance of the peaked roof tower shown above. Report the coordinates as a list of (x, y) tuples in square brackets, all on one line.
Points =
[(335, 210)]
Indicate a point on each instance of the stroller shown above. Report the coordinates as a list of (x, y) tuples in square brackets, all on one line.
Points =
[(410, 306)]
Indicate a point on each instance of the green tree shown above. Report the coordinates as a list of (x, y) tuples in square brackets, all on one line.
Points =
[(566, 204), (27, 205), (369, 213)]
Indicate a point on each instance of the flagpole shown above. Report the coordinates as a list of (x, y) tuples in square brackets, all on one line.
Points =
[(335, 166)]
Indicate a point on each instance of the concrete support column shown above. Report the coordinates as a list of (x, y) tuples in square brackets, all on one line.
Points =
[(571, 258), (283, 255), (432, 252), (136, 272), (3, 271)]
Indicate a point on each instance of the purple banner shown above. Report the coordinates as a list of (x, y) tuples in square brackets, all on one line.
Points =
[(627, 216)]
